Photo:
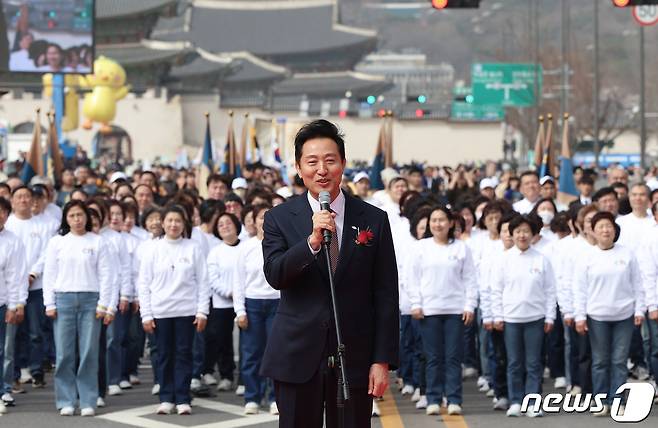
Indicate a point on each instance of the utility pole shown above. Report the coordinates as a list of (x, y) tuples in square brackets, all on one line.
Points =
[(643, 102), (597, 143), (565, 37)]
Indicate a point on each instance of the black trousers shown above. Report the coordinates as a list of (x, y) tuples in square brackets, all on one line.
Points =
[(219, 343), (303, 405), (584, 363), (500, 375)]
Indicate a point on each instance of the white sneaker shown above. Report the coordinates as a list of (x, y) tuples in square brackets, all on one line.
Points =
[(575, 390), (165, 408), (7, 399), (3, 408), (88, 412), (454, 409), (514, 410), (124, 384), (490, 393), (407, 390), (134, 380), (251, 408), (156, 389), (602, 413), (26, 377), (195, 384), (100, 402), (501, 404), (422, 402), (67, 411), (532, 414), (485, 387), (184, 409), (481, 381), (274, 409), (114, 390), (560, 382), (209, 379), (375, 409), (239, 391), (416, 396), (224, 385), (469, 372), (433, 409)]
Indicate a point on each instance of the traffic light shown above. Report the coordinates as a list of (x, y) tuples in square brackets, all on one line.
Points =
[(629, 3), (453, 4)]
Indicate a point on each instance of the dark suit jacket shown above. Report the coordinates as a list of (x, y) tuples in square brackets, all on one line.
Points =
[(366, 283)]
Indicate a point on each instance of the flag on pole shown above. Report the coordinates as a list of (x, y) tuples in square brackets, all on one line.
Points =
[(274, 142), (244, 142), (282, 158), (388, 158), (230, 165), (55, 162), (34, 162), (379, 161), (567, 191), (546, 160), (253, 151), (539, 143), (206, 167)]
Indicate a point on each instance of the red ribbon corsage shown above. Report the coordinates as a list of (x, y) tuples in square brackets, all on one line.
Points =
[(363, 237)]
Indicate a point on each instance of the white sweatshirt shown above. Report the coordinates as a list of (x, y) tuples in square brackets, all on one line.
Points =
[(212, 241), (221, 268), (34, 234), (200, 238), (560, 253), (140, 233), (609, 285), (122, 273), (647, 257), (78, 264), (13, 271), (633, 229), (173, 280), (490, 255), (132, 243), (524, 287), (441, 278), (249, 279), (140, 253), (402, 241)]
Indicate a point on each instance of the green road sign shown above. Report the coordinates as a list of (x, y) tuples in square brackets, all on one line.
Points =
[(508, 85), (462, 111)]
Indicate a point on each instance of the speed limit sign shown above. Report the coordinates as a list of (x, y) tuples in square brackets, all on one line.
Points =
[(646, 15)]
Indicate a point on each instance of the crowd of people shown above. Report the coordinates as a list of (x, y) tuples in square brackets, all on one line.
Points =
[(498, 280)]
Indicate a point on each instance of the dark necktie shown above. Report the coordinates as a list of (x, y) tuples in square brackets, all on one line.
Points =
[(333, 252)]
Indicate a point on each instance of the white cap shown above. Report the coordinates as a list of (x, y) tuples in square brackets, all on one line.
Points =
[(653, 184), (487, 183), (119, 175), (239, 183), (545, 179), (360, 176), (284, 192)]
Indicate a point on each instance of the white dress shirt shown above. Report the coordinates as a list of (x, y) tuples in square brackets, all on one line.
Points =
[(609, 286), (338, 207), (34, 234), (524, 206), (633, 229), (13, 271)]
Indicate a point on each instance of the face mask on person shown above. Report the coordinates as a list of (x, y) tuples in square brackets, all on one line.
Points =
[(546, 217)]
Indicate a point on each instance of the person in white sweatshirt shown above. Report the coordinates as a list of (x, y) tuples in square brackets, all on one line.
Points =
[(609, 302), (13, 271), (443, 293), (219, 335), (77, 289), (523, 301), (174, 297), (255, 304), (648, 260)]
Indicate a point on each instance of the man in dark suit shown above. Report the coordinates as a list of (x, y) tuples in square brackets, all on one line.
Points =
[(303, 339)]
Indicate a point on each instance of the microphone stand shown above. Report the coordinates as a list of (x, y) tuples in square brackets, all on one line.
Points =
[(343, 390)]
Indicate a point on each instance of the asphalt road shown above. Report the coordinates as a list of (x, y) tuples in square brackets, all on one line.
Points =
[(136, 408)]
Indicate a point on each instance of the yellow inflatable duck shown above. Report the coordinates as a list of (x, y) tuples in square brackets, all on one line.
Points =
[(108, 87)]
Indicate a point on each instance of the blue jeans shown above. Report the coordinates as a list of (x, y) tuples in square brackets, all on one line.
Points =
[(8, 375), (174, 338), (117, 333), (76, 319), (3, 329), (35, 319), (653, 345), (198, 354), (443, 342), (260, 314), (611, 342), (406, 372), (523, 343), (419, 362), (471, 349), (153, 354)]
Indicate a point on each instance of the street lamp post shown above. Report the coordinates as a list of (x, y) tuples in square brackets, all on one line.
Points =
[(643, 118), (597, 146)]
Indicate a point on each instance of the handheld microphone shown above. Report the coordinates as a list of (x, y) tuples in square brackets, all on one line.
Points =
[(325, 200)]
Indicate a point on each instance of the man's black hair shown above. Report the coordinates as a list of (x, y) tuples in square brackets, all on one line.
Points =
[(318, 129), (605, 191)]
